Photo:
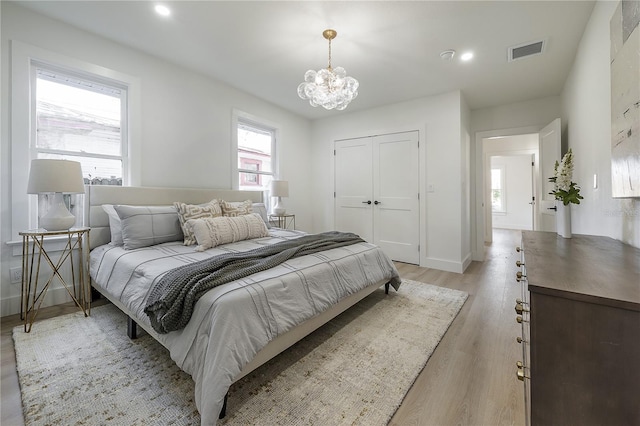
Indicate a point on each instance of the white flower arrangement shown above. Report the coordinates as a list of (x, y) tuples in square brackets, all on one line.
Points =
[(564, 189)]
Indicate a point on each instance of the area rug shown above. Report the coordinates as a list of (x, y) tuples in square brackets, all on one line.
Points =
[(354, 370)]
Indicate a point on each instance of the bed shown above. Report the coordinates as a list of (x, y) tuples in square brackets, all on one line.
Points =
[(234, 327)]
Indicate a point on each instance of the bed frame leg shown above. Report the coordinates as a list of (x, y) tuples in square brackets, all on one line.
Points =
[(386, 288), (132, 328), (223, 412)]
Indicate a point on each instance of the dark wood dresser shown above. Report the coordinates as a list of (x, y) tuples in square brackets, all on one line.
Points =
[(580, 316)]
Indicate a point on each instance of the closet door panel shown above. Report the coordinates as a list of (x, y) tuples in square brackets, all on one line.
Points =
[(395, 189), (353, 191)]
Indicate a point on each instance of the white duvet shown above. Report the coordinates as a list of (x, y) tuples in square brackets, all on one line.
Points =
[(232, 322)]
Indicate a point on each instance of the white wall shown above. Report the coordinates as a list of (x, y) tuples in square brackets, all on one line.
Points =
[(438, 120), (586, 111), (184, 119)]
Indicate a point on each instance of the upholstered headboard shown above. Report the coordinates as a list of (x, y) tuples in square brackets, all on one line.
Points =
[(97, 195)]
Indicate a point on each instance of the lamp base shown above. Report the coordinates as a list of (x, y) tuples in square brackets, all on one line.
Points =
[(279, 209), (58, 218)]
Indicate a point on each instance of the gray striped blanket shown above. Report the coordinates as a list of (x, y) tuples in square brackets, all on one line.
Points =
[(172, 299)]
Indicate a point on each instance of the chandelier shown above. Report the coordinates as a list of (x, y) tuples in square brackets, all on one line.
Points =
[(329, 87)]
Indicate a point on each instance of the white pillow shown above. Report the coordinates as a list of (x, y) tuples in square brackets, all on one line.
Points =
[(261, 209), (214, 231), (192, 211), (114, 224), (144, 226)]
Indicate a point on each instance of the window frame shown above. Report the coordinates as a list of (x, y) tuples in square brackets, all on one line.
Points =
[(239, 118), (23, 58), (503, 192)]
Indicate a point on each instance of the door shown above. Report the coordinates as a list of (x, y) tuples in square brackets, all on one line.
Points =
[(377, 193), (353, 190), (550, 141)]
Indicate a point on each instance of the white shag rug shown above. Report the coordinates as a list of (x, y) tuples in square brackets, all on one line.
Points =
[(354, 370)]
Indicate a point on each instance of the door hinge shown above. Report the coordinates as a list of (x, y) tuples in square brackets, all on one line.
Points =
[(334, 194), (533, 163), (418, 248), (334, 152), (418, 195)]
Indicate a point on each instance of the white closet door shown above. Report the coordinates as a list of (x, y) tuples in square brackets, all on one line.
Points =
[(376, 192), (395, 188), (353, 192)]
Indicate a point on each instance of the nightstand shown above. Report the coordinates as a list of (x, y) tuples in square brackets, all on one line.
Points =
[(34, 286), (284, 221)]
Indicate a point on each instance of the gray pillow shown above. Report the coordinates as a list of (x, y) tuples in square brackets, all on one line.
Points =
[(114, 224), (144, 226)]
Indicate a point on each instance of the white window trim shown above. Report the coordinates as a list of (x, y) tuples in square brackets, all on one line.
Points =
[(503, 183), (23, 56), (238, 115)]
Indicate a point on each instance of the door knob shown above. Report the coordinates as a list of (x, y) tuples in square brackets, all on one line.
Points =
[(368, 202), (377, 202), (552, 208)]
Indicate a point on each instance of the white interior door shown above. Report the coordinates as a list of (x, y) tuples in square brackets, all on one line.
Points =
[(550, 152), (395, 190), (353, 188), (376, 192)]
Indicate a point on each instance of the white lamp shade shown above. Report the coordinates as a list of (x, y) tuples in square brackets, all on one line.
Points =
[(55, 176), (279, 188)]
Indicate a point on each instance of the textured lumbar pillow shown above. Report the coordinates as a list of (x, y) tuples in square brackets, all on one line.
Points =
[(213, 231), (192, 211)]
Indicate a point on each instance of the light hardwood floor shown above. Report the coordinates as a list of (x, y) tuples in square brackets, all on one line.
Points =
[(469, 380)]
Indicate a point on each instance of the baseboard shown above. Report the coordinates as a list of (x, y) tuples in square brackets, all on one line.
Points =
[(446, 265)]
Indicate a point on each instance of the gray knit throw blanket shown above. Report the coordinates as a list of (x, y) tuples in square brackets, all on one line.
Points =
[(173, 297)]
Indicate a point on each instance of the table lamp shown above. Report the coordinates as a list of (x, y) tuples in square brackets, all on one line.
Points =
[(58, 177), (279, 189)]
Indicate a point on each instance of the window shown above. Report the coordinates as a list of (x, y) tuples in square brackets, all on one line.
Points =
[(498, 204), (80, 118), (25, 61), (256, 148)]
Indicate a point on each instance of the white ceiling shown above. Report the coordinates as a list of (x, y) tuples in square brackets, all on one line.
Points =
[(392, 47)]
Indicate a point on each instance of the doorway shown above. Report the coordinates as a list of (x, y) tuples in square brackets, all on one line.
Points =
[(511, 191)]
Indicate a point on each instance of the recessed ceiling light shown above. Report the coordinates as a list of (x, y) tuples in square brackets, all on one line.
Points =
[(162, 10), (466, 56)]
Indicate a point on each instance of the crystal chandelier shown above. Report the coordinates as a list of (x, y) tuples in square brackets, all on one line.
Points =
[(329, 87)]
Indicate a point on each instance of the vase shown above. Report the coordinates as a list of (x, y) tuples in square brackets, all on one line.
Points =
[(563, 220)]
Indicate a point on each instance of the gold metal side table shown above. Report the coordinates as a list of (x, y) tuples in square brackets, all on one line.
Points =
[(284, 221), (33, 292)]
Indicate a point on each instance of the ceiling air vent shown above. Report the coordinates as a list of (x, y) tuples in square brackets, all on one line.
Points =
[(525, 50)]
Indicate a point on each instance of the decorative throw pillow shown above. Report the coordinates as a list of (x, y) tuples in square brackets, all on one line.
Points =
[(114, 224), (214, 231), (261, 209), (144, 226), (233, 209), (191, 211)]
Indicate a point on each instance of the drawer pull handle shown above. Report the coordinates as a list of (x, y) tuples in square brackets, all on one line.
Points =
[(520, 340), (518, 300), (522, 376), (519, 264), (518, 249), (520, 276), (520, 309), (520, 320)]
